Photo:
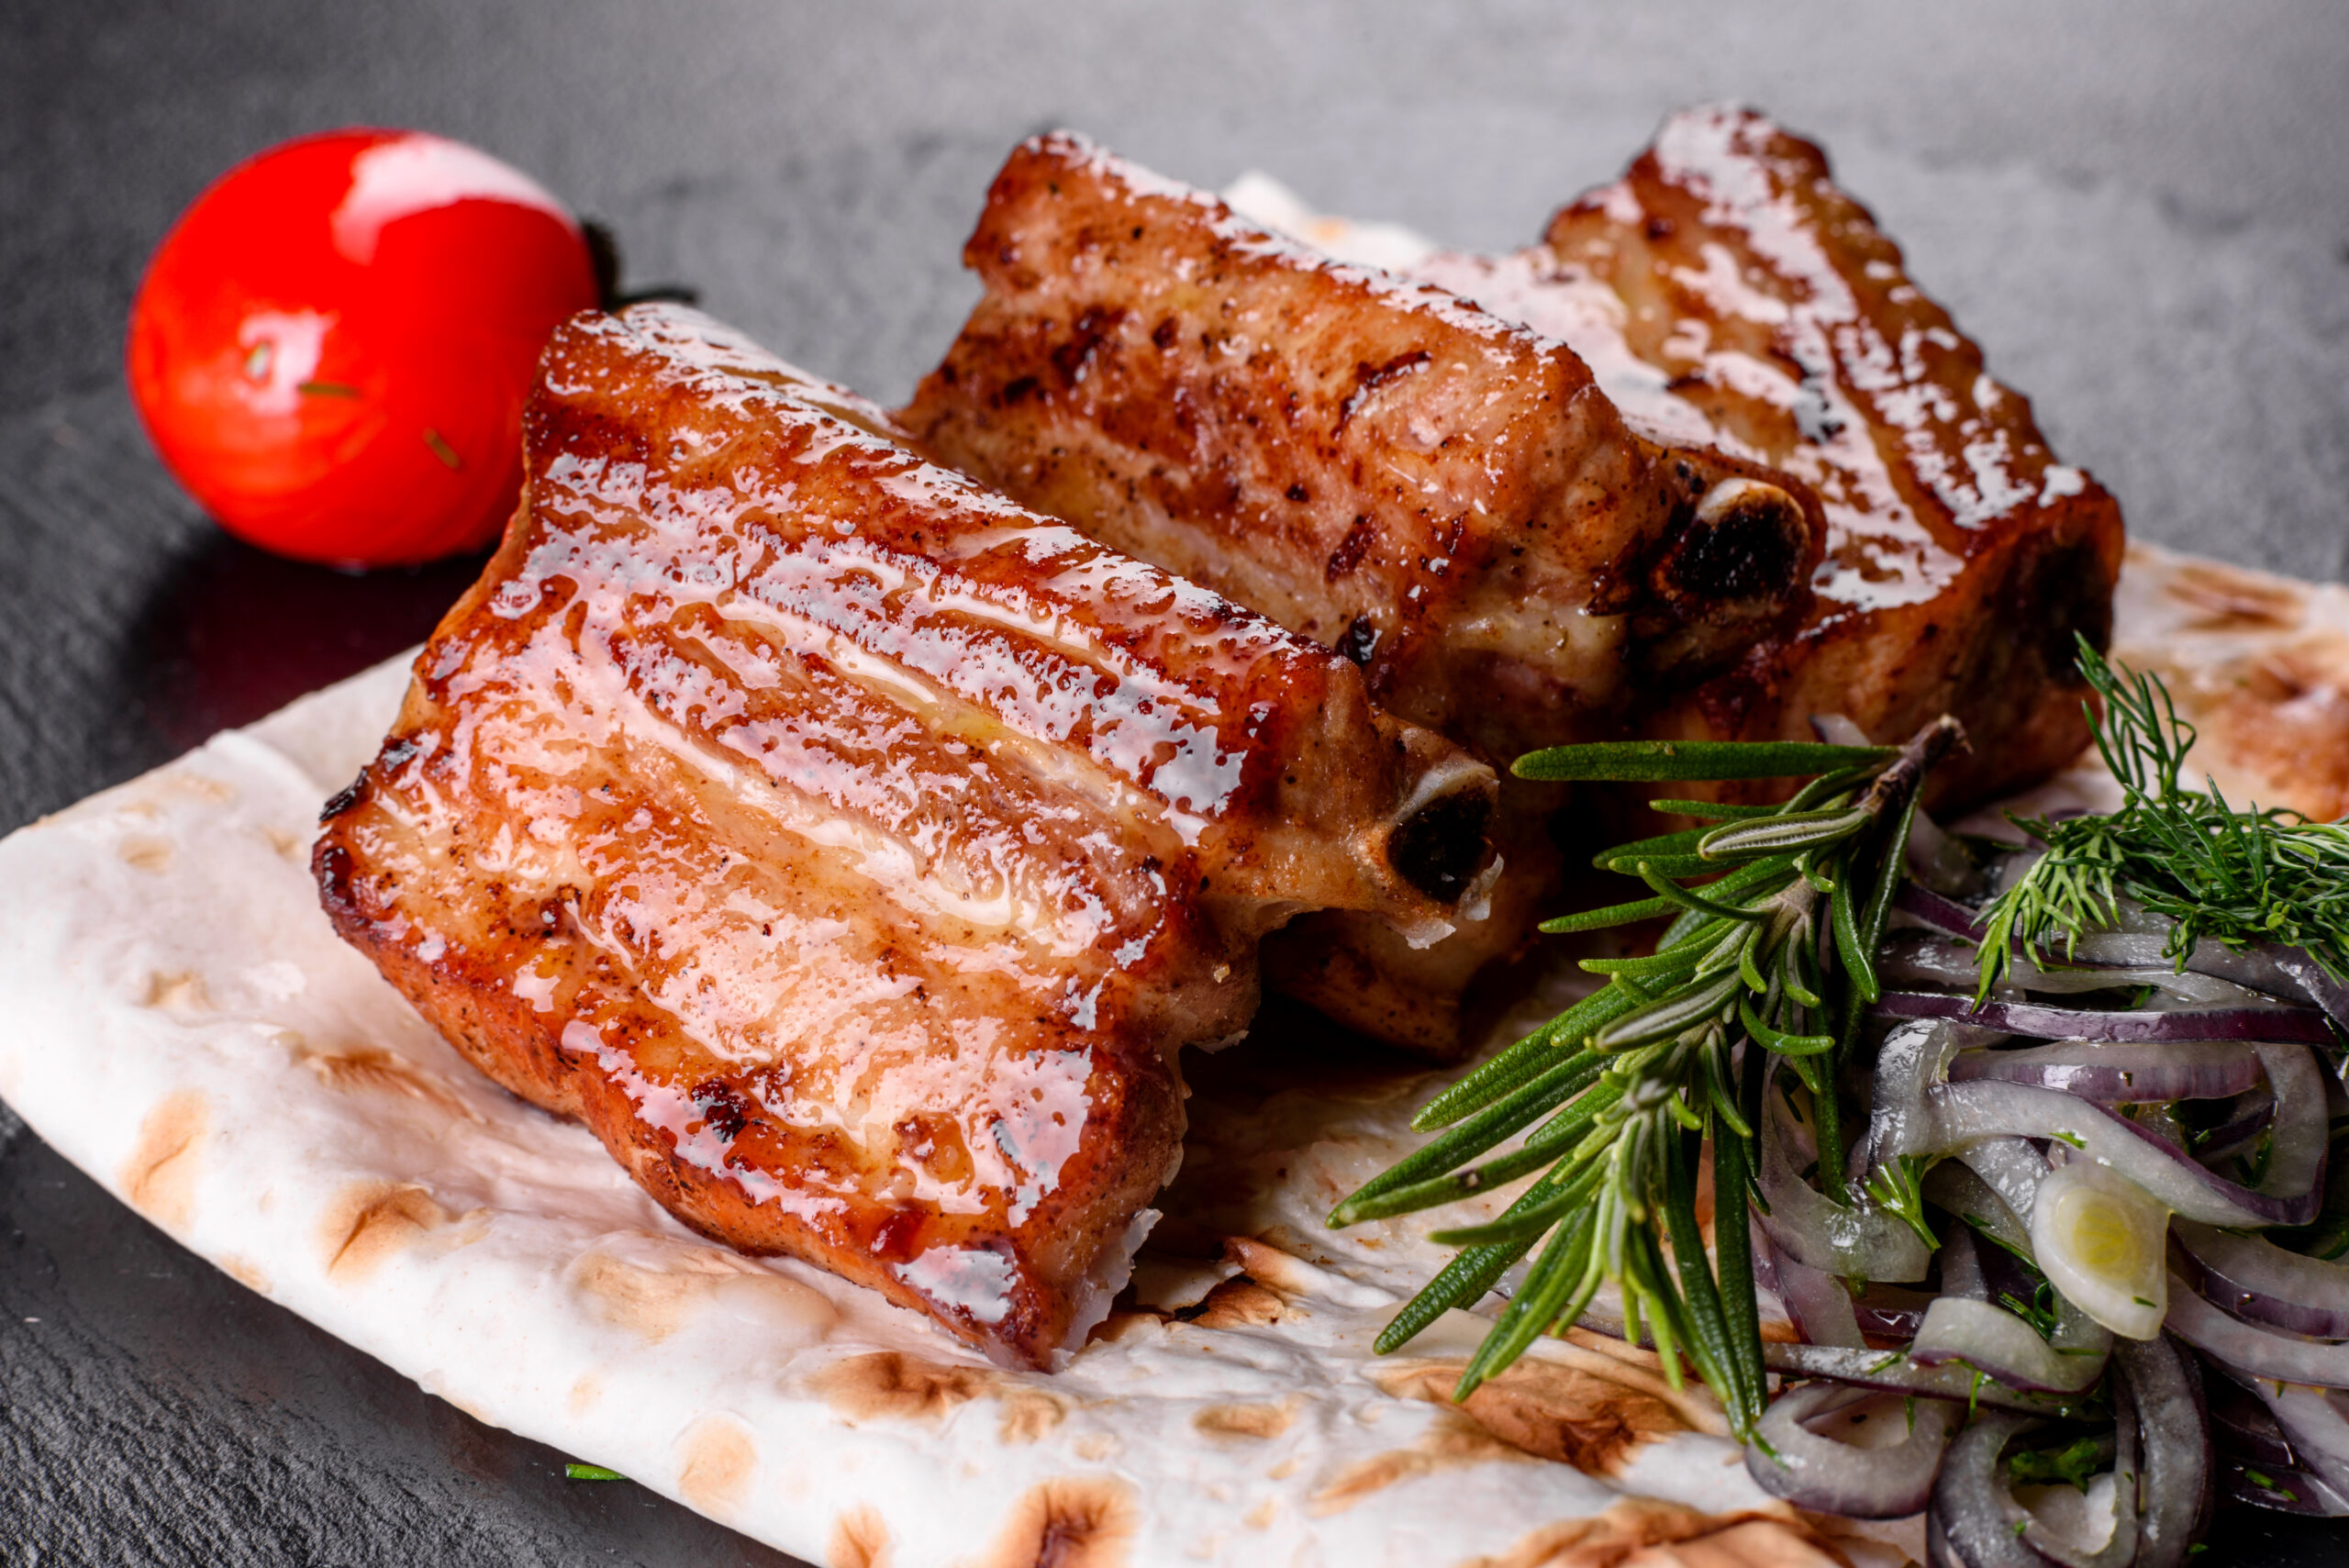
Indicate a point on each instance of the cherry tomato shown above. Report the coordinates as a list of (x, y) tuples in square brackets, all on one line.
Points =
[(332, 347)]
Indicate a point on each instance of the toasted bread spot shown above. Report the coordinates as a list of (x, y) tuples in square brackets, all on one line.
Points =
[(1261, 1516), (291, 846), (585, 1393), (1120, 1325), (141, 851), (1451, 1441), (197, 786), (2232, 601), (1642, 1532), (1239, 1303), (719, 1459), (370, 1069), (373, 1222), (894, 1386), (180, 991), (1565, 1413), (859, 1539), (245, 1271), (1029, 1413), (1071, 1521), (159, 1176), (652, 1301), (1256, 1421)]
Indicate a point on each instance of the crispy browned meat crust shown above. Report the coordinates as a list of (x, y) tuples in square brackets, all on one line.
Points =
[(850, 848), (1439, 494), (1726, 291)]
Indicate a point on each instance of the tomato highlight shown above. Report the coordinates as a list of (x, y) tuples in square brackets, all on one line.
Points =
[(332, 347)]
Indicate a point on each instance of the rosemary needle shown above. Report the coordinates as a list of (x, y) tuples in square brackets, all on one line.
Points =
[(1772, 954)]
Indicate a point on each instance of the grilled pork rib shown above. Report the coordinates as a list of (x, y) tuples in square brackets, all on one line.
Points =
[(1442, 495), (850, 848), (1726, 291)]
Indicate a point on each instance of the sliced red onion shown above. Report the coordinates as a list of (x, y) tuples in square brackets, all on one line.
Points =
[(1977, 1521), (2300, 1025), (2269, 967), (1889, 1311), (2318, 986), (1961, 1274), (1963, 1326), (2160, 1385), (2142, 941), (1968, 1113), (1912, 1062), (1894, 1373), (1936, 961), (2121, 1074), (2285, 1490), (2240, 1426), (2315, 1421), (2099, 1238), (1817, 1301), (2012, 1168), (1993, 1341), (1942, 913), (2251, 1115), (2252, 1350), (2257, 1281), (2121, 1503), (1811, 1470), (1856, 1239), (1961, 1192), (1972, 1518)]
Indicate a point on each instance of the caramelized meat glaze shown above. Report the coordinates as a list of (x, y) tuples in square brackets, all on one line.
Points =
[(1442, 495), (853, 848), (1727, 292), (1705, 464)]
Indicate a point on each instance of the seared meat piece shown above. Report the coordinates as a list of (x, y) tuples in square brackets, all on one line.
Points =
[(1443, 495), (850, 848), (1726, 291)]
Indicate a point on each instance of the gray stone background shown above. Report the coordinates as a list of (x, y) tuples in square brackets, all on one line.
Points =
[(2140, 207)]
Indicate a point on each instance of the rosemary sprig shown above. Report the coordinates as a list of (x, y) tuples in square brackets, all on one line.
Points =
[(1775, 915), (2241, 877)]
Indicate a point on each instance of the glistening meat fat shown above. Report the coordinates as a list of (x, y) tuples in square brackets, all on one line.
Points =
[(852, 848), (1444, 495)]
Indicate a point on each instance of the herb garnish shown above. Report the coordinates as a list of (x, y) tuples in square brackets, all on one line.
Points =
[(1777, 951), (2241, 877)]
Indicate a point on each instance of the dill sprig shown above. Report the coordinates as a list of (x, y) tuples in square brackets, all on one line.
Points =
[(1775, 914), (2239, 876)]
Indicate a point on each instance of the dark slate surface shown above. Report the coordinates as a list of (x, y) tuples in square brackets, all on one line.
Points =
[(2140, 207)]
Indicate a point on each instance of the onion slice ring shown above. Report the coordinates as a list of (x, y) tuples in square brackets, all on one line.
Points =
[(1893, 1372), (2163, 1387), (1812, 1471), (1972, 1113), (2121, 1074), (1995, 1341), (2255, 1280), (2280, 1024), (2251, 1351)]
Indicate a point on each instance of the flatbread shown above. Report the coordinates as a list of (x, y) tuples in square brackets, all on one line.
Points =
[(276, 1108)]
